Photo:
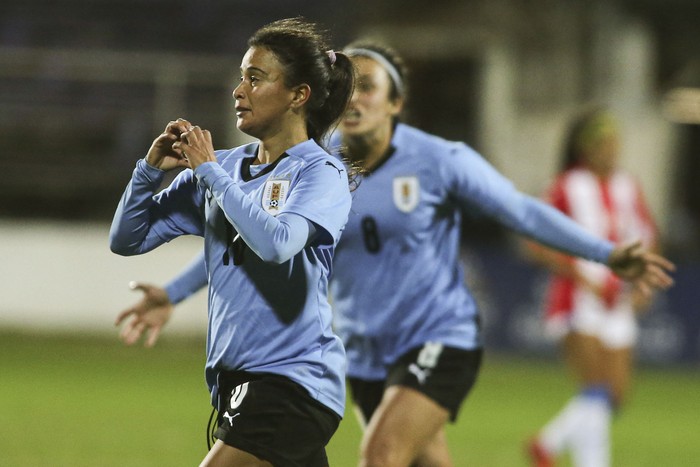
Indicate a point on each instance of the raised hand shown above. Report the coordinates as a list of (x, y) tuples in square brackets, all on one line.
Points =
[(196, 146), (150, 314), (162, 153)]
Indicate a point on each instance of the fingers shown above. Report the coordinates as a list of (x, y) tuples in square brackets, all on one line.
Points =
[(655, 277), (658, 277), (194, 135), (195, 147), (170, 141), (149, 314), (177, 127), (142, 286), (124, 314), (153, 334), (132, 331), (138, 309), (187, 140), (167, 138), (659, 261), (633, 262), (182, 130), (136, 328), (657, 269)]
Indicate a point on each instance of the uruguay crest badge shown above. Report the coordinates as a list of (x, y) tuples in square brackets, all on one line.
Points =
[(406, 193), (274, 195)]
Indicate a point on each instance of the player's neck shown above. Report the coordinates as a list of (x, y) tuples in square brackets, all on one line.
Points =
[(272, 147)]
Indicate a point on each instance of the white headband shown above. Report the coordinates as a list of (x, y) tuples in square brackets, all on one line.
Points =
[(386, 64)]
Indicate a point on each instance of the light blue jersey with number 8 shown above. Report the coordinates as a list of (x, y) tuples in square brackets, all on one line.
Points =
[(397, 280)]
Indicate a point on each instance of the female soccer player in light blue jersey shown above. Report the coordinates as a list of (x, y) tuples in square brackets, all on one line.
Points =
[(271, 213), (407, 320)]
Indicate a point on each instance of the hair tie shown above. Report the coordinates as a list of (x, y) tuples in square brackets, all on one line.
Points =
[(331, 56)]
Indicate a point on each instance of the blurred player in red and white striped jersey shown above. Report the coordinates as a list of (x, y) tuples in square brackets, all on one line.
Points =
[(589, 309)]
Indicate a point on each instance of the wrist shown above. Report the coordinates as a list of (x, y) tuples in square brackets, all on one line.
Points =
[(151, 163), (148, 172)]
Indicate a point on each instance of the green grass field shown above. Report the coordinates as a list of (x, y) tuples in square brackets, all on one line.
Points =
[(89, 401)]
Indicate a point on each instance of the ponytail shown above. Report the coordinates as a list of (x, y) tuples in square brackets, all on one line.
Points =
[(323, 119)]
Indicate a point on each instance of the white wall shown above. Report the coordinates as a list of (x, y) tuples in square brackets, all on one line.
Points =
[(62, 276)]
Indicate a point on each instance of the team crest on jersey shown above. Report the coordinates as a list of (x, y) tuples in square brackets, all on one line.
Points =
[(274, 195), (406, 193)]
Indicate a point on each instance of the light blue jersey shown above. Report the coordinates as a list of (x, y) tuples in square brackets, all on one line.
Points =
[(263, 316), (397, 281)]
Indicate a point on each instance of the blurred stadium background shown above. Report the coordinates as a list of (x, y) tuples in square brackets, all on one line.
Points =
[(85, 86)]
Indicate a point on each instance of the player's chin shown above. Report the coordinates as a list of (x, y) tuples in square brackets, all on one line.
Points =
[(248, 128)]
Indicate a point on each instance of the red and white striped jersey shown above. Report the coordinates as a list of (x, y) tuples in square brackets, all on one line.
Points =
[(613, 208)]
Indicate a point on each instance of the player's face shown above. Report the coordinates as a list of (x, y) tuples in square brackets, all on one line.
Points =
[(603, 155), (370, 107), (262, 98)]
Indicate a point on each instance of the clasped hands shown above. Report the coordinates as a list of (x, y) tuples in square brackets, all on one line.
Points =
[(181, 145)]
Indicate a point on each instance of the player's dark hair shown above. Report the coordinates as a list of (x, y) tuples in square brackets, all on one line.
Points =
[(585, 127), (302, 49)]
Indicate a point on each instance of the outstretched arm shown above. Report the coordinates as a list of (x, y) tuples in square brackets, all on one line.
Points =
[(644, 283), (478, 183), (630, 261)]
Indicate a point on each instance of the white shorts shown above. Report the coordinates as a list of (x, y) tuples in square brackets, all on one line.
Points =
[(616, 328)]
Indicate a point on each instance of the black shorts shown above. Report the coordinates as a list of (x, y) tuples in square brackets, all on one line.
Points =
[(444, 374), (274, 419)]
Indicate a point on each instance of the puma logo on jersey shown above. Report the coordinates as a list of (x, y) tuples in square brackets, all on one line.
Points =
[(230, 417), (420, 373), (336, 168)]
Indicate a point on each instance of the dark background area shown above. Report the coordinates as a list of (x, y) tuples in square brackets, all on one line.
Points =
[(82, 88)]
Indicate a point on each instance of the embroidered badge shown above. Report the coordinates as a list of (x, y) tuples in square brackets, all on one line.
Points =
[(406, 193), (274, 195)]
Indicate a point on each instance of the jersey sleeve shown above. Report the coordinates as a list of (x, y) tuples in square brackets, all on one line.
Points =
[(189, 281), (322, 196), (273, 239), (474, 182), (144, 220)]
